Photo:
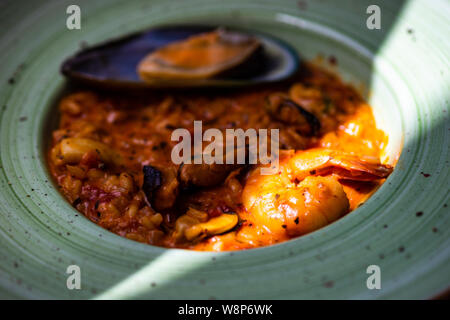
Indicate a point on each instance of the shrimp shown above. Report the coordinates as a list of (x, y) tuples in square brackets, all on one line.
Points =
[(306, 194)]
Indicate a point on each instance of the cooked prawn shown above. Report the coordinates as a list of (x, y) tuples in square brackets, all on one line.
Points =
[(306, 194)]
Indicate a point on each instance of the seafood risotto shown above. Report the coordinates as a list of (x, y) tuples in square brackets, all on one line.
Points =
[(111, 158)]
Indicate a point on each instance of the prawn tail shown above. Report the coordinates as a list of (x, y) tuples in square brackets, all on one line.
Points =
[(353, 168)]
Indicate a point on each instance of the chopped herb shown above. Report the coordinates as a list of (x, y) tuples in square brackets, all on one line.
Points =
[(328, 104)]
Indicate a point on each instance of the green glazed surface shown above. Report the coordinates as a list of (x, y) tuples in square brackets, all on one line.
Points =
[(404, 68)]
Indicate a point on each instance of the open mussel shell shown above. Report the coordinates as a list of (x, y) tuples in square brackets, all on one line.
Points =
[(114, 64)]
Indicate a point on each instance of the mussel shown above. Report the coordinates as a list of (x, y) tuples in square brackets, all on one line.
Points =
[(184, 56), (152, 181), (287, 111), (160, 186)]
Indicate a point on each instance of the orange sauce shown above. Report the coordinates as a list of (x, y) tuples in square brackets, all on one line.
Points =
[(139, 129)]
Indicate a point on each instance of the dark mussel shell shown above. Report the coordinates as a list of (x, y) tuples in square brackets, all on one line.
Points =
[(114, 64), (152, 181)]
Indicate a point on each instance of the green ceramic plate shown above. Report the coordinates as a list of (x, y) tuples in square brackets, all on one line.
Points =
[(404, 228)]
